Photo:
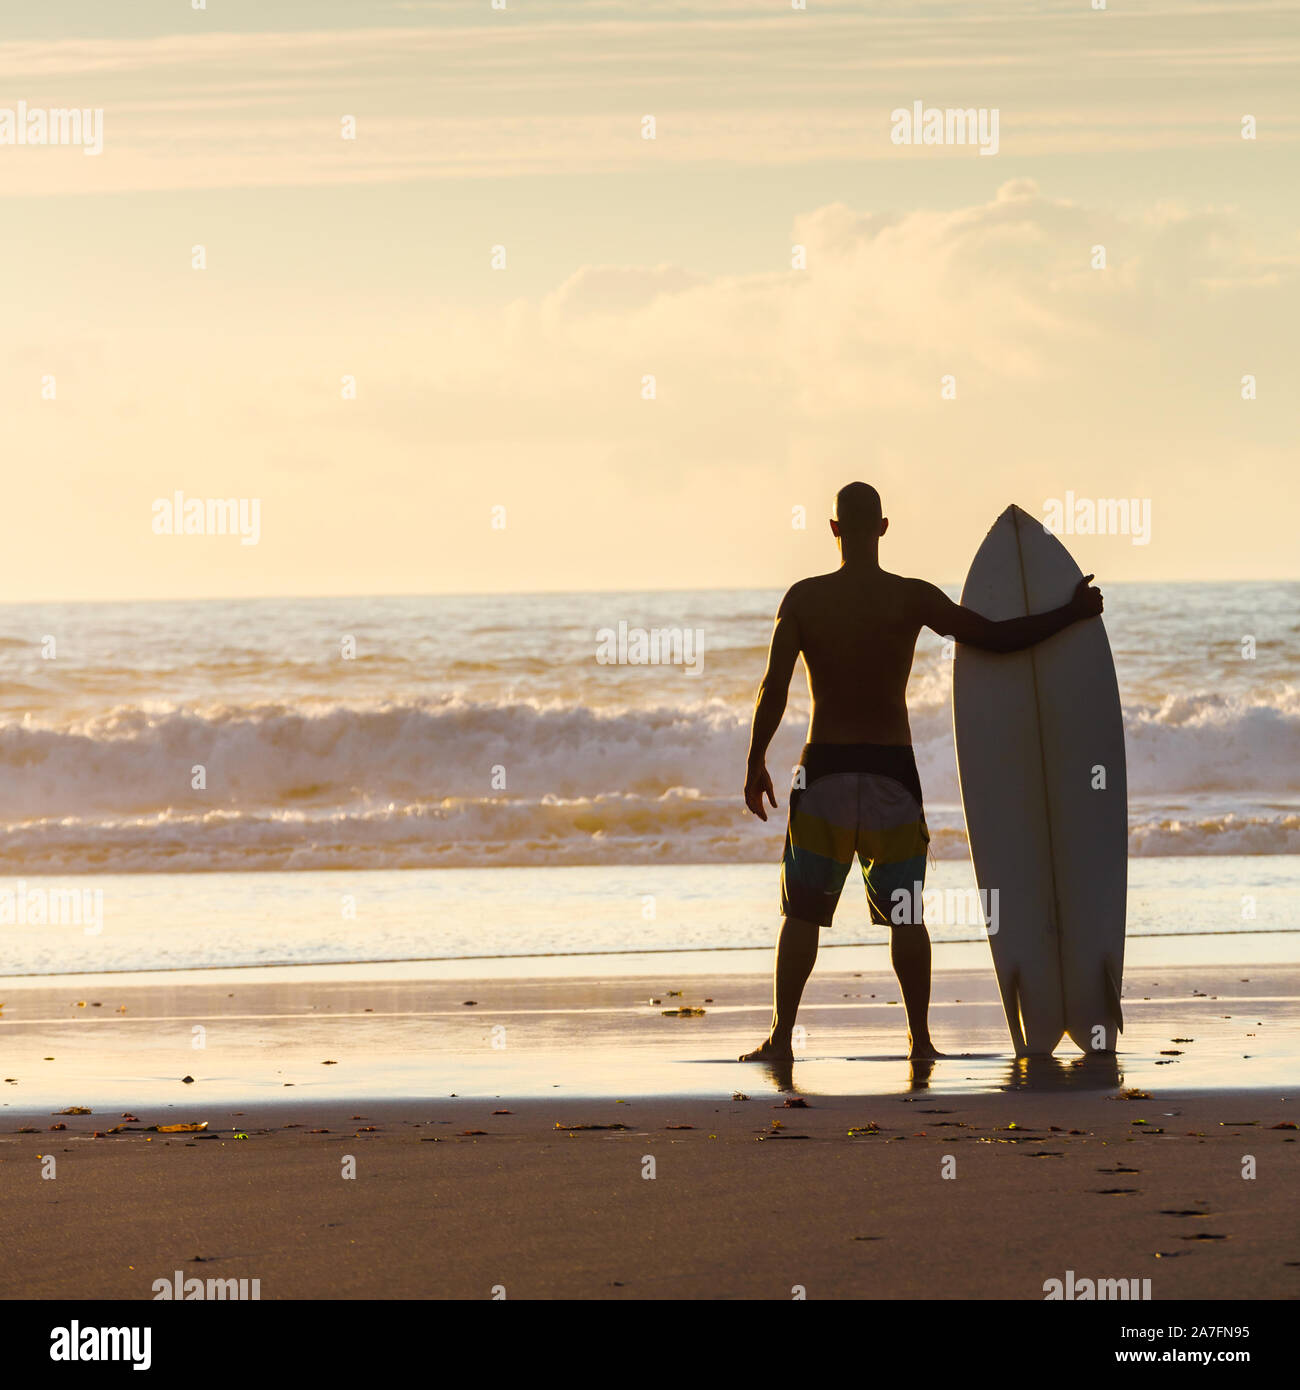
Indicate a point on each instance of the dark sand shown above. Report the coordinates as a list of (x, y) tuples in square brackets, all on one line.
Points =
[(732, 1212)]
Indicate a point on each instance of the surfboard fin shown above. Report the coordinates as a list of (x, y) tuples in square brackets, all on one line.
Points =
[(1110, 991), (1015, 1020)]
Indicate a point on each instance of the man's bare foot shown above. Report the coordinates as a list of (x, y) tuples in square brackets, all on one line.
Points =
[(768, 1051), (923, 1050)]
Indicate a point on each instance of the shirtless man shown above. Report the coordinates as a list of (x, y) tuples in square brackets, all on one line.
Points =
[(859, 791)]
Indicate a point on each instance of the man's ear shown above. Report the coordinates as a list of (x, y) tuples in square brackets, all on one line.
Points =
[(884, 524), (835, 527)]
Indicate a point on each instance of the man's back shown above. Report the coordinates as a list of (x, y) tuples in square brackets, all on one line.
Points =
[(857, 630)]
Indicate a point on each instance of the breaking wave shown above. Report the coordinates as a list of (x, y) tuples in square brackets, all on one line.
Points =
[(460, 783)]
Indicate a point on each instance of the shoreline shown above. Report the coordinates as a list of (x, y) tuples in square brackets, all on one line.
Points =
[(130, 1041), (1268, 947)]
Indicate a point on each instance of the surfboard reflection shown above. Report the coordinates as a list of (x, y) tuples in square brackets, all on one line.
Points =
[(1096, 1072)]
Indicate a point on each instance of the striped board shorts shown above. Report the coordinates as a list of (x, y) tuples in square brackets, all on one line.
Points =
[(863, 799)]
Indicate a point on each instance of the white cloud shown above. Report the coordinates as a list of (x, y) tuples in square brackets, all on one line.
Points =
[(527, 95)]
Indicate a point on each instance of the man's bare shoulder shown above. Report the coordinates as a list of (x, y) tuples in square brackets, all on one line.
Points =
[(924, 601), (804, 591)]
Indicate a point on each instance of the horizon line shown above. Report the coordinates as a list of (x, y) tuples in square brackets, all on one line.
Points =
[(547, 593)]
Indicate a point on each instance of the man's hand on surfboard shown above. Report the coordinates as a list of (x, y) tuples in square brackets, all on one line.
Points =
[(757, 784), (1086, 602)]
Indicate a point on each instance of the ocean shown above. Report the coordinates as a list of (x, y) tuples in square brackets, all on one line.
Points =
[(226, 762)]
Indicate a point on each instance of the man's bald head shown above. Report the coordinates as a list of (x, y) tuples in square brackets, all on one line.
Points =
[(857, 510)]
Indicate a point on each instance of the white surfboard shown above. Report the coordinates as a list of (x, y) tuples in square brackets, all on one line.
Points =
[(1040, 753)]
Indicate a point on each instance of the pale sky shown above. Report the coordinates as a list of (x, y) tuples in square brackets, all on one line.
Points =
[(522, 387)]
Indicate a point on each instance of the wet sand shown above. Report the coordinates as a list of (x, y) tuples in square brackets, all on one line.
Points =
[(244, 1039), (1053, 1167)]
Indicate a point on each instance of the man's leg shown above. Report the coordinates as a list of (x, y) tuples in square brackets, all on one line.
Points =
[(895, 892), (818, 853), (796, 951), (909, 953)]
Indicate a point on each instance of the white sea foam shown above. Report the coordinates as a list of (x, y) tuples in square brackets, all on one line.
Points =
[(410, 784)]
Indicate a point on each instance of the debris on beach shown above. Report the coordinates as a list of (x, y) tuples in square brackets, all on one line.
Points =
[(193, 1128), (471, 1133), (656, 1001), (329, 1064), (686, 1012), (871, 1127), (739, 1095), (60, 1125), (679, 1126), (573, 1128), (75, 1110), (503, 1112), (1286, 1124), (187, 1080), (469, 1003), (1132, 1093), (793, 1103)]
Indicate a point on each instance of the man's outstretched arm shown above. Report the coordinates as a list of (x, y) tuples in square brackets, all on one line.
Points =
[(950, 619), (770, 706)]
